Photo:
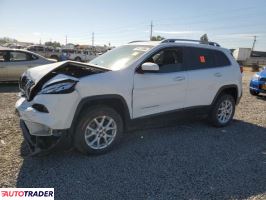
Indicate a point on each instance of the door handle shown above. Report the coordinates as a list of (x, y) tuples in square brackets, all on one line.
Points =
[(179, 78), (218, 74)]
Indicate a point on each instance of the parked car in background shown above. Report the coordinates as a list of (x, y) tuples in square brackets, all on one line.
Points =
[(80, 55), (45, 51), (91, 104), (258, 83), (13, 62)]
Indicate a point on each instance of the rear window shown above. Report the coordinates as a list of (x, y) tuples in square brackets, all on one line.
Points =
[(200, 58)]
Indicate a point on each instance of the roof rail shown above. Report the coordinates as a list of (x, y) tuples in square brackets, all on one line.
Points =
[(188, 40), (138, 41)]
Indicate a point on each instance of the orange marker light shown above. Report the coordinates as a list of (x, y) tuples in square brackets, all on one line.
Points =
[(202, 59)]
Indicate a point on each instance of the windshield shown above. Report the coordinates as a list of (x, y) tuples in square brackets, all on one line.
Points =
[(120, 57)]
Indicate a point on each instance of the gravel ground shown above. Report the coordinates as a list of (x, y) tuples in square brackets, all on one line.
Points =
[(174, 160)]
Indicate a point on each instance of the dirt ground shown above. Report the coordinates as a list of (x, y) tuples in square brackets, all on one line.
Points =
[(243, 168)]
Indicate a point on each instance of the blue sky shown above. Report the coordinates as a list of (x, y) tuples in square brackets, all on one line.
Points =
[(230, 23)]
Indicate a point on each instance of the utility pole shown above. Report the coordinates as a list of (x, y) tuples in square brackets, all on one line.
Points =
[(66, 39), (92, 39), (254, 42), (151, 27)]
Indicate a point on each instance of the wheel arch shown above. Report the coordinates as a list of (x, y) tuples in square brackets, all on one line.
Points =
[(116, 102), (228, 89)]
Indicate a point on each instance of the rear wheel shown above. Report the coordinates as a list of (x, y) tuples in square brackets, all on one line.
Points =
[(222, 111), (253, 92), (99, 129), (78, 59)]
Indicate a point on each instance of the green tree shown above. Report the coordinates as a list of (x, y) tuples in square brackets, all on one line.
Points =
[(53, 44), (157, 38), (5, 40)]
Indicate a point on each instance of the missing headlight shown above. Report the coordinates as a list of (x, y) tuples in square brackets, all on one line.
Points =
[(61, 87)]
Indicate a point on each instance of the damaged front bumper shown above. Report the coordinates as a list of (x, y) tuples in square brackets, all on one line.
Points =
[(42, 131), (42, 145)]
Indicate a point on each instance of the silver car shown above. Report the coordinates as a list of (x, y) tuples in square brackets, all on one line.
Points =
[(13, 62)]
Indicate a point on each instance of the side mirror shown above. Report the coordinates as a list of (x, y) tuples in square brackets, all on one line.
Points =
[(149, 66)]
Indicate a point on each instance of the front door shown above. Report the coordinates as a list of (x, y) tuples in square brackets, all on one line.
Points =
[(4, 58), (19, 63), (163, 90)]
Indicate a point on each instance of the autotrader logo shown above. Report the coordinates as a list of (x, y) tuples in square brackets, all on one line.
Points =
[(27, 193)]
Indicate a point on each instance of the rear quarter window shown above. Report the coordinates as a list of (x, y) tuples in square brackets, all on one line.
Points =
[(221, 59)]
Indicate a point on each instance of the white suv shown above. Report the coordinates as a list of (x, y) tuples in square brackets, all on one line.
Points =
[(92, 104)]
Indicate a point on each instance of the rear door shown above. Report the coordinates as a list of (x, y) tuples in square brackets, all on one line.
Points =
[(206, 75), (163, 90)]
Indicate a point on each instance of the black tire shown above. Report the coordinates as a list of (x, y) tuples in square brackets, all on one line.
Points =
[(254, 93), (78, 59), (213, 115), (55, 57), (87, 117)]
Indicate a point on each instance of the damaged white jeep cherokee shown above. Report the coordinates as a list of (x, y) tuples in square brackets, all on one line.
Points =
[(91, 104)]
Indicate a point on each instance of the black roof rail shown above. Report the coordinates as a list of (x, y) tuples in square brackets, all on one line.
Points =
[(138, 41), (188, 40)]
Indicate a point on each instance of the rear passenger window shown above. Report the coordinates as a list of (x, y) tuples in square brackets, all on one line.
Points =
[(199, 58), (32, 57)]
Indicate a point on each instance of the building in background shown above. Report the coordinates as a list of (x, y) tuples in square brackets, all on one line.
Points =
[(246, 56)]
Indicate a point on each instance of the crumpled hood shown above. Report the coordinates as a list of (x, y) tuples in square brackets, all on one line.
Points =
[(33, 80), (36, 73)]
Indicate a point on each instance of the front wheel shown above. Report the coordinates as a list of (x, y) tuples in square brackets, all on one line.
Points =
[(98, 130), (222, 111), (78, 59), (253, 92)]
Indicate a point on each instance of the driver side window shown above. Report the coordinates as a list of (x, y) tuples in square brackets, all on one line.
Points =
[(169, 60)]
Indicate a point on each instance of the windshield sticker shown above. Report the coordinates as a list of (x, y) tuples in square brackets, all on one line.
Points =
[(141, 49)]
